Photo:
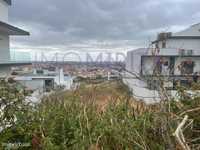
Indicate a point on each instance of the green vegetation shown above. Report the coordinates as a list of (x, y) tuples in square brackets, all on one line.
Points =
[(95, 117)]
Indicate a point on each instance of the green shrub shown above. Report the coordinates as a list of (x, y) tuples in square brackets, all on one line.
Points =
[(65, 121)]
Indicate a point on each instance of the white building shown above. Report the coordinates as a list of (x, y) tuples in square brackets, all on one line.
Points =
[(187, 39), (174, 57), (45, 80), (7, 30)]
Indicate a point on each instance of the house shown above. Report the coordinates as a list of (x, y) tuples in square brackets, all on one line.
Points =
[(133, 79), (172, 60), (7, 30), (37, 79), (187, 39), (43, 79)]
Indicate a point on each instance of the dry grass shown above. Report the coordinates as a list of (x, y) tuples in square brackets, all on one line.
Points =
[(103, 94), (103, 116)]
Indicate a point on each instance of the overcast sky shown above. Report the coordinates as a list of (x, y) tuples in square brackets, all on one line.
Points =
[(92, 25)]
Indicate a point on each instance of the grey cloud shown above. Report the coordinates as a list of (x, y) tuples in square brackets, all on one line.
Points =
[(64, 22)]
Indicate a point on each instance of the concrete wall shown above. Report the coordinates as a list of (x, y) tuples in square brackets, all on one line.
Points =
[(133, 60), (193, 44), (136, 86), (33, 84), (3, 11), (191, 31), (4, 39), (4, 48), (140, 91), (129, 62)]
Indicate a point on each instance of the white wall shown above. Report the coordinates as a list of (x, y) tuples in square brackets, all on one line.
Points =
[(193, 44), (4, 48), (33, 84), (133, 60), (140, 91), (129, 64), (4, 39), (191, 31), (3, 11)]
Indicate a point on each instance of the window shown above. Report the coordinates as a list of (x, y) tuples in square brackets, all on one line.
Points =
[(163, 44), (187, 67), (161, 67), (157, 45), (166, 63)]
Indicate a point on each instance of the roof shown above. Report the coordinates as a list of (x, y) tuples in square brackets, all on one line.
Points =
[(193, 32), (184, 37), (11, 30), (179, 37), (9, 2), (139, 51)]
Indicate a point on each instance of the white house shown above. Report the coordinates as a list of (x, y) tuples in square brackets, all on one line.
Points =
[(174, 57), (7, 30), (186, 39), (45, 80)]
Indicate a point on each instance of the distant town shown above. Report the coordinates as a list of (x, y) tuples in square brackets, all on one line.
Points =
[(172, 56), (145, 98)]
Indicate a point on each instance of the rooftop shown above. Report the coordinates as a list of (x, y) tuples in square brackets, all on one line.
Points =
[(11, 30), (193, 32)]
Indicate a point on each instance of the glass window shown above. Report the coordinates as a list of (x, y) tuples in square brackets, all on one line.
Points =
[(164, 44)]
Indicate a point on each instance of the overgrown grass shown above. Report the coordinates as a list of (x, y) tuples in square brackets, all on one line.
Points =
[(98, 117)]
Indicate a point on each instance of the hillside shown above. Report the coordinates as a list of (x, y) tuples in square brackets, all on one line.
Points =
[(100, 116)]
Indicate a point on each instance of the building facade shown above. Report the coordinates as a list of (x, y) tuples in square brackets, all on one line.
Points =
[(7, 30), (187, 39), (173, 60)]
